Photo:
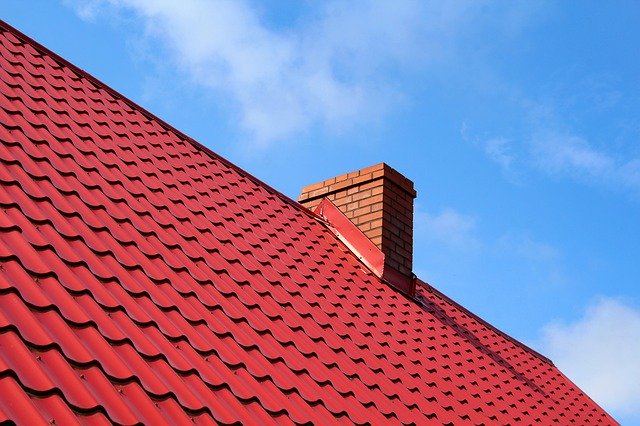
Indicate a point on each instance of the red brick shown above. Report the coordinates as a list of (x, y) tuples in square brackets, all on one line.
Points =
[(303, 197), (363, 178), (341, 201), (376, 240), (353, 205), (362, 211), (341, 177), (378, 174), (340, 185), (353, 190), (376, 223), (374, 232), (376, 199), (318, 192), (369, 185), (313, 187), (373, 168), (377, 190), (362, 194), (365, 227), (370, 217)]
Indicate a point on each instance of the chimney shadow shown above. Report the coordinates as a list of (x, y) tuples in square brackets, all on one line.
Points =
[(440, 314)]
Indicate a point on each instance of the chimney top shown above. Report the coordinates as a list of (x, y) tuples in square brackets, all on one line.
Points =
[(377, 200)]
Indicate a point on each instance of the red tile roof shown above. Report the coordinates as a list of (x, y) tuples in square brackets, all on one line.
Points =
[(145, 279)]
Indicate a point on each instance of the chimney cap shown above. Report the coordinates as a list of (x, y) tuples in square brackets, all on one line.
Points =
[(349, 180)]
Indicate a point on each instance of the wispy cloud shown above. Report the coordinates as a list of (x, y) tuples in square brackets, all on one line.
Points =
[(500, 150), (537, 258), (563, 153), (579, 125), (448, 227), (329, 69), (599, 352), (335, 65), (447, 238), (460, 231), (547, 149)]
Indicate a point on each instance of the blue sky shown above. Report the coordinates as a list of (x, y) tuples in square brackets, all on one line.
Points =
[(519, 123)]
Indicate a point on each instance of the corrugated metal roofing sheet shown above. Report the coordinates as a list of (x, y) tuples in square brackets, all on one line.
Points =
[(145, 279)]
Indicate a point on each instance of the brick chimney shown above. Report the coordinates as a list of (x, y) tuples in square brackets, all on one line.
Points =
[(379, 201)]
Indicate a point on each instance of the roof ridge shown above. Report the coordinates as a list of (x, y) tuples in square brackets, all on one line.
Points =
[(484, 322), (116, 94), (185, 258), (84, 74)]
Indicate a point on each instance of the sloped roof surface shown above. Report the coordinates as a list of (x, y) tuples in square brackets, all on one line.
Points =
[(145, 279)]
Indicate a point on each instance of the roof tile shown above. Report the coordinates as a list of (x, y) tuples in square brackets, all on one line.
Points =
[(145, 279)]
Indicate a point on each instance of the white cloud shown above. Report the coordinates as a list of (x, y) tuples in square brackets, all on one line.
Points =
[(448, 227), (567, 154), (330, 68), (499, 150), (457, 230), (540, 260), (87, 10), (559, 153), (600, 352)]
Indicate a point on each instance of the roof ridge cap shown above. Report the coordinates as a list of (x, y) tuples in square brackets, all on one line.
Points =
[(84, 74)]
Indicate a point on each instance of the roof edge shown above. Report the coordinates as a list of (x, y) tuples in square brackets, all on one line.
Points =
[(36, 45), (484, 322), (617, 423), (84, 74)]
